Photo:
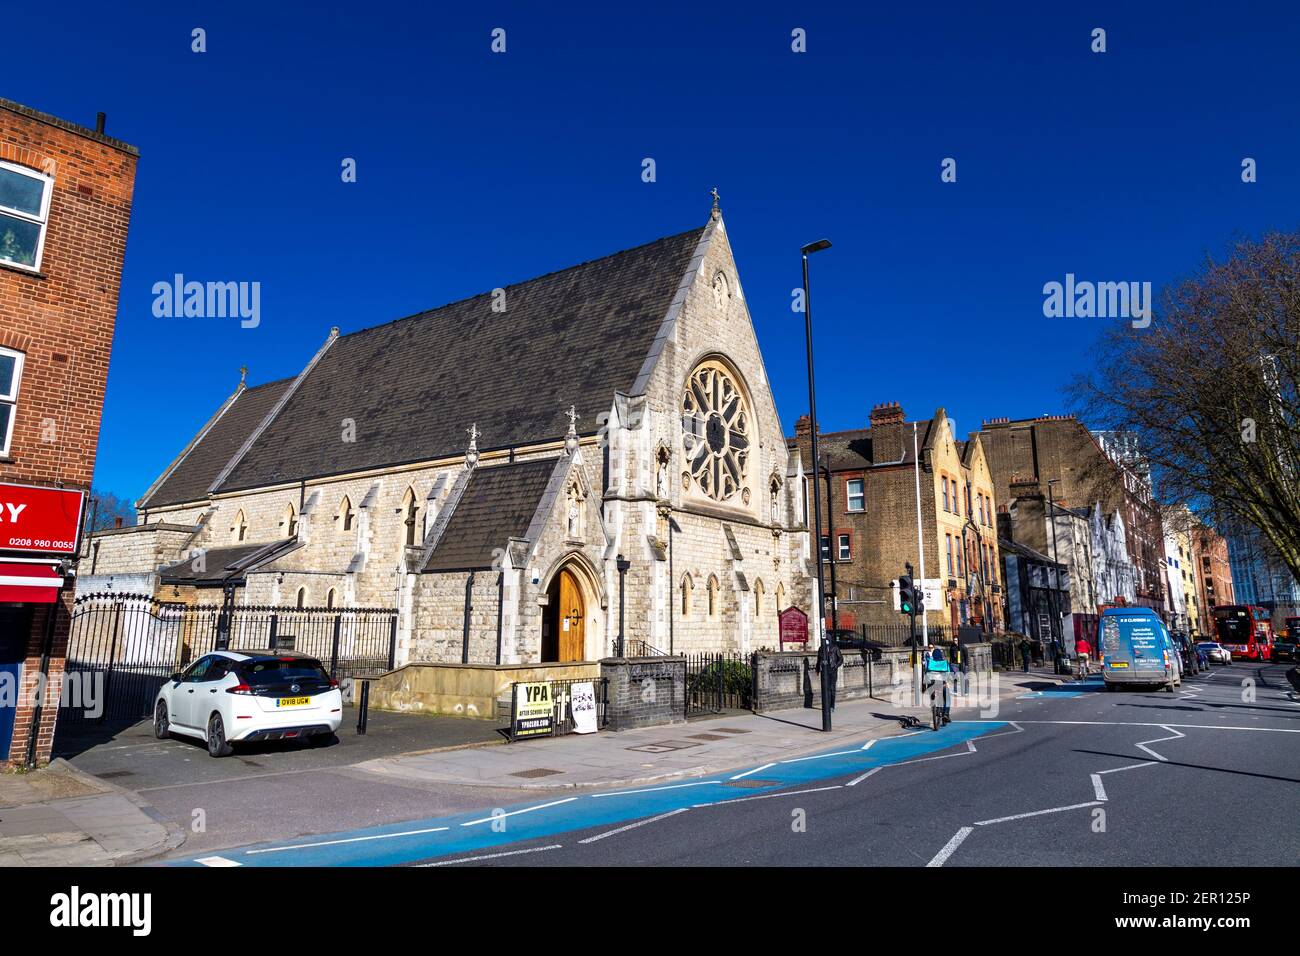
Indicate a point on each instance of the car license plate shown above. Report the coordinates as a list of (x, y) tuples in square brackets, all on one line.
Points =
[(1120, 664), (293, 702)]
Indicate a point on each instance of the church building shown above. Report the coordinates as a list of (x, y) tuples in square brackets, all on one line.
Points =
[(507, 471)]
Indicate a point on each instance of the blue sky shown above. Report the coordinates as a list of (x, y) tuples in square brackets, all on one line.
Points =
[(477, 169)]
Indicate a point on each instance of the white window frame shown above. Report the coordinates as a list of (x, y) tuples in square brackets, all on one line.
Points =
[(843, 546), (11, 399), (861, 496), (43, 220)]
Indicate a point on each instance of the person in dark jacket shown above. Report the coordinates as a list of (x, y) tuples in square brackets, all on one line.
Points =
[(1026, 651), (830, 652)]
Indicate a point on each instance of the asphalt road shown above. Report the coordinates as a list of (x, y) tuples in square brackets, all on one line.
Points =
[(1206, 776)]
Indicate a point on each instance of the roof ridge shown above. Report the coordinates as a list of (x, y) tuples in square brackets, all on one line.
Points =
[(554, 272)]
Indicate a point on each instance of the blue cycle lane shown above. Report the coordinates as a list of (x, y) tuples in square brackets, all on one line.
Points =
[(561, 812)]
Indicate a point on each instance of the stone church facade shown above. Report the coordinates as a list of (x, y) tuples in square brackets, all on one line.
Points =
[(441, 464)]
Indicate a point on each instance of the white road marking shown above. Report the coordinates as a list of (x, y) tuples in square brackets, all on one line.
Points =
[(1137, 723), (950, 847), (838, 753), (970, 745), (764, 796), (515, 813), (633, 826), (1132, 766), (1037, 813), (857, 780), (1143, 744), (1097, 787), (755, 770), (676, 786), (867, 745), (216, 861), (494, 856), (360, 839)]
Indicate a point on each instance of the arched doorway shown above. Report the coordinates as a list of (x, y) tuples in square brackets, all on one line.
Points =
[(562, 624)]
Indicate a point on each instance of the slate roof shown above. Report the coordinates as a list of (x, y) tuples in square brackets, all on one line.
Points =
[(498, 503), (851, 450), (190, 478), (222, 564), (415, 385)]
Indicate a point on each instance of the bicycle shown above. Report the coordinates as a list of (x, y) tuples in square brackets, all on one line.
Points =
[(1083, 671)]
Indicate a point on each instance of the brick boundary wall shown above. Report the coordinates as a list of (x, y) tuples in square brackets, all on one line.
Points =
[(645, 691)]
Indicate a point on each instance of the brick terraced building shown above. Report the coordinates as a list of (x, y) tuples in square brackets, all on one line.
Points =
[(65, 204)]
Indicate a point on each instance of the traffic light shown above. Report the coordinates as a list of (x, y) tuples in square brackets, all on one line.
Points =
[(918, 605), (906, 596)]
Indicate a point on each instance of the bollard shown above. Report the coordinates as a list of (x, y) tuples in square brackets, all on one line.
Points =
[(363, 708)]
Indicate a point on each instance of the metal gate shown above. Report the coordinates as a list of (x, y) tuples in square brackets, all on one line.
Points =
[(717, 682), (123, 647)]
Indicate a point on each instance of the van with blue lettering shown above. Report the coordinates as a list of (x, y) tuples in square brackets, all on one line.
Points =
[(1136, 649)]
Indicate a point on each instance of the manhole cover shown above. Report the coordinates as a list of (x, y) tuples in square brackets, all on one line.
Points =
[(708, 736), (730, 730), (536, 772), (750, 782), (663, 746)]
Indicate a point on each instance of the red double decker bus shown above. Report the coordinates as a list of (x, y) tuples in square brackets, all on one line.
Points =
[(1245, 630)]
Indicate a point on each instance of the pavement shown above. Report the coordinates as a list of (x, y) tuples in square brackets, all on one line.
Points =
[(61, 816)]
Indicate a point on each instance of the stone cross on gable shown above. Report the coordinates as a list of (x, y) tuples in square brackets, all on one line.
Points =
[(715, 212), (243, 374), (473, 434), (573, 419)]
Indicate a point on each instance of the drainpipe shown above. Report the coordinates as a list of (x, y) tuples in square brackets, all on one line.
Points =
[(501, 600), (47, 650), (469, 604)]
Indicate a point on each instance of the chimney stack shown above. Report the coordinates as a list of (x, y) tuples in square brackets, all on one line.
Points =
[(99, 123), (887, 439)]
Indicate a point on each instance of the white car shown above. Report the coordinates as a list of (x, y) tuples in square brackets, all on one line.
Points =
[(1215, 653), (227, 697)]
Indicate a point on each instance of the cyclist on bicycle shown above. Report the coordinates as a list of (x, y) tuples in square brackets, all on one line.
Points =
[(936, 670), (1082, 654)]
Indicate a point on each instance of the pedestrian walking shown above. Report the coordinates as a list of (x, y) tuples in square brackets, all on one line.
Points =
[(1026, 651), (830, 656)]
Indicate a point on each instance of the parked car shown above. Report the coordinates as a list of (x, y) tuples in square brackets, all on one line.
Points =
[(230, 697), (1191, 660), (1136, 649), (1217, 653)]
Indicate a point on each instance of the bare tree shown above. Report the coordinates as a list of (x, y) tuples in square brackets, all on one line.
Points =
[(1210, 388)]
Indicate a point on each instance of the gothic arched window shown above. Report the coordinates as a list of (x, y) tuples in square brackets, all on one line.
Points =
[(715, 433), (345, 513), (687, 587), (410, 513), (713, 597), (290, 521), (240, 530)]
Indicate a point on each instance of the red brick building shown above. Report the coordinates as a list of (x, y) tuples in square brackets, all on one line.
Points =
[(65, 204)]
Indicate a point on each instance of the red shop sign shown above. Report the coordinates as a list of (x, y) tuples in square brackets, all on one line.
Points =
[(36, 520)]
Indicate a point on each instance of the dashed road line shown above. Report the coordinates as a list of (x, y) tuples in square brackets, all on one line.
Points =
[(1036, 813), (515, 813), (1097, 787), (675, 786), (857, 780), (950, 847), (360, 839), (633, 826), (755, 770), (1143, 745), (216, 861), (1132, 766), (494, 856), (765, 796)]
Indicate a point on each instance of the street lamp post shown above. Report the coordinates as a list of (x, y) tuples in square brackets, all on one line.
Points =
[(823, 649), (834, 547), (1054, 595), (622, 564)]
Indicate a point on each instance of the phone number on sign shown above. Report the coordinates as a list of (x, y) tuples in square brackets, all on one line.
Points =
[(44, 543)]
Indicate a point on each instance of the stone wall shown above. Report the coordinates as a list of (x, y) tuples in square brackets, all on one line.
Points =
[(645, 691), (464, 690)]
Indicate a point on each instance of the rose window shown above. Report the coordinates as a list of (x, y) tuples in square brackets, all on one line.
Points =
[(715, 428)]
